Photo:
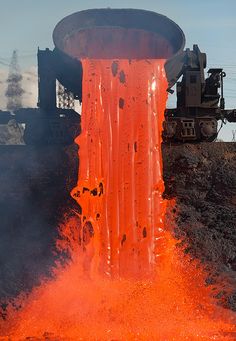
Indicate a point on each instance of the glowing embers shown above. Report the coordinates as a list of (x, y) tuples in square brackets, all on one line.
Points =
[(120, 177)]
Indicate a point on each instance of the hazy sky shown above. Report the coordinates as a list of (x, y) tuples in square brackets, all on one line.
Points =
[(27, 24)]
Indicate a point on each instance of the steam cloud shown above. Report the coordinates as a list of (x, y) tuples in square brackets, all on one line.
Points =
[(12, 133), (29, 85)]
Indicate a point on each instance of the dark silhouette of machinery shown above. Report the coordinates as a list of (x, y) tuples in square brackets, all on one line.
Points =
[(200, 100)]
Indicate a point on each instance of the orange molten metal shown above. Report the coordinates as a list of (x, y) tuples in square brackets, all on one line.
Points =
[(125, 280), (120, 179)]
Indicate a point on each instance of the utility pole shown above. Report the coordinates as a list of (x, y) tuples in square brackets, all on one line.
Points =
[(14, 90)]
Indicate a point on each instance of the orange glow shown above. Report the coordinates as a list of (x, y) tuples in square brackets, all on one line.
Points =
[(120, 176), (126, 279)]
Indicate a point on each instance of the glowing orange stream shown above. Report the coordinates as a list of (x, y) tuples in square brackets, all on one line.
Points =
[(120, 176), (126, 279)]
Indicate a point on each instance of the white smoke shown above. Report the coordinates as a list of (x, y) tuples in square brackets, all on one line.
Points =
[(29, 85), (3, 86), (12, 133)]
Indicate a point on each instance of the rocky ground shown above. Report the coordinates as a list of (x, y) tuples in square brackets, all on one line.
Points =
[(11, 133), (202, 179), (35, 186)]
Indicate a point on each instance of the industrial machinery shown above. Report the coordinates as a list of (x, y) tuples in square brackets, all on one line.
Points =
[(200, 100), (48, 124)]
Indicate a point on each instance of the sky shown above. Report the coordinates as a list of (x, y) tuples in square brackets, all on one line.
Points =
[(26, 25)]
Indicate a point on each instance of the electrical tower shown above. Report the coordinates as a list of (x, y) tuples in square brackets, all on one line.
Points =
[(14, 90)]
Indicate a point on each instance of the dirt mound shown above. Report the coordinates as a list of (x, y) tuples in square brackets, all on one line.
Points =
[(202, 178)]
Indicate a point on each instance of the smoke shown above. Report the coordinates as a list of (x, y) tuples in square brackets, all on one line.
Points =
[(29, 84), (3, 88), (30, 210), (13, 132), (14, 90), (29, 204)]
